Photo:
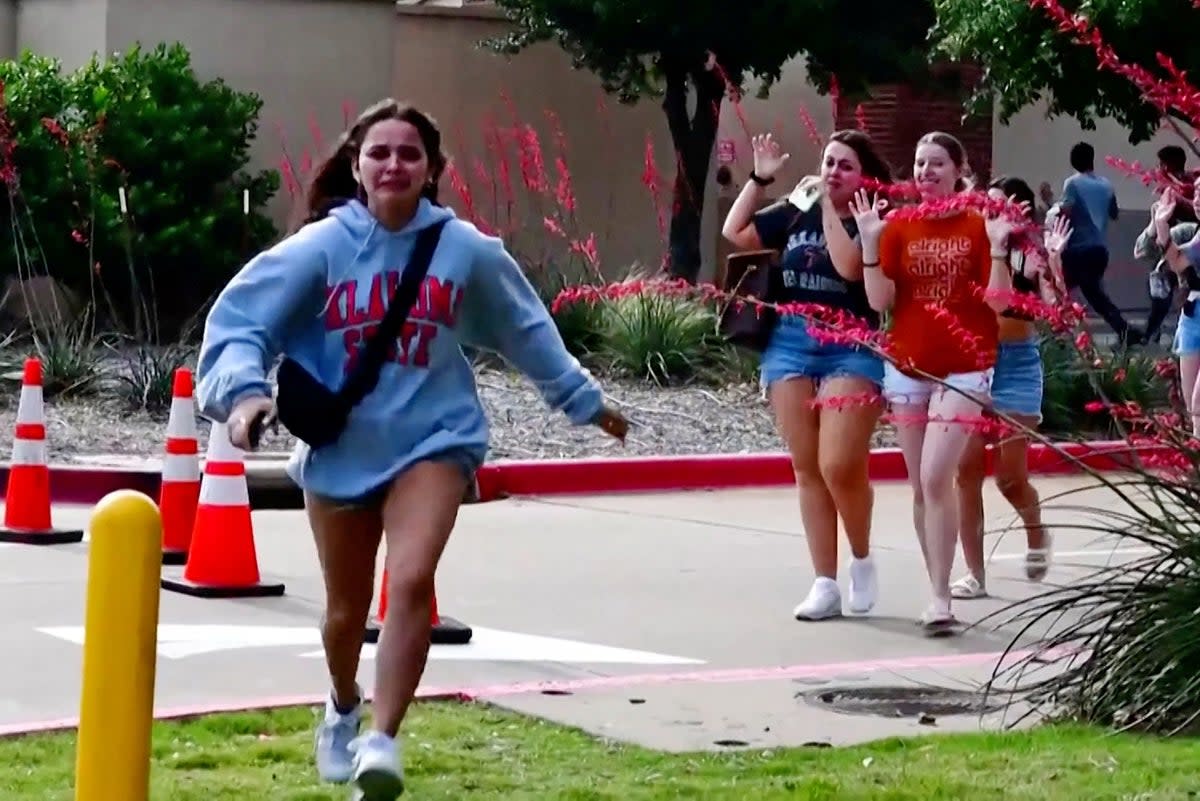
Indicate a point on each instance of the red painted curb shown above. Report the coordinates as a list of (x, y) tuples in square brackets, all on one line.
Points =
[(87, 485), (503, 479), (726, 471)]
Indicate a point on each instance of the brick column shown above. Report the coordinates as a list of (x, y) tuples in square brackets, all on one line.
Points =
[(897, 115)]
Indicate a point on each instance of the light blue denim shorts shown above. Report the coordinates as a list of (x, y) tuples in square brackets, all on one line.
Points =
[(792, 352), (465, 459), (1187, 335), (1018, 382)]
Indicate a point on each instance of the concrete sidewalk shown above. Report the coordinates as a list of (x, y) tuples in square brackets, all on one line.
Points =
[(661, 619)]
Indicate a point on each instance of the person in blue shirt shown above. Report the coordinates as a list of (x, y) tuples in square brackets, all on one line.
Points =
[(404, 460), (1090, 203)]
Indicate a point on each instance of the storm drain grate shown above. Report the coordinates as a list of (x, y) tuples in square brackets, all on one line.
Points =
[(899, 702)]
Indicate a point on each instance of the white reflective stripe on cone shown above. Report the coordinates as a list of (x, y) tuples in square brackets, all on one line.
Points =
[(181, 424), (220, 449), (29, 408), (177, 467), (29, 451), (224, 491)]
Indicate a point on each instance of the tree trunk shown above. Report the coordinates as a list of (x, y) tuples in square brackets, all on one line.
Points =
[(694, 137)]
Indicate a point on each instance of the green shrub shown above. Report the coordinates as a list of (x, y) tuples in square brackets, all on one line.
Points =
[(147, 377), (1118, 646), (144, 122), (579, 324), (1074, 387), (71, 359), (660, 336)]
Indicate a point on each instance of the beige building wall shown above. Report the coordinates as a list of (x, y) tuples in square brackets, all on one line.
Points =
[(439, 67), (303, 57), (1037, 148)]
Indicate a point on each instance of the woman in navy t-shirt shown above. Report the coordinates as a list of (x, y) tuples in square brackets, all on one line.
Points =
[(829, 441)]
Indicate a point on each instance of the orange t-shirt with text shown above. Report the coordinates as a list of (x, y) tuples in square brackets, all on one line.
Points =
[(941, 267)]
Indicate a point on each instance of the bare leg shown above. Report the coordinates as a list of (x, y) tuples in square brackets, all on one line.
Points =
[(1012, 479), (347, 541), (910, 434), (418, 516), (797, 422), (971, 472), (844, 460), (940, 457), (844, 457), (1189, 388)]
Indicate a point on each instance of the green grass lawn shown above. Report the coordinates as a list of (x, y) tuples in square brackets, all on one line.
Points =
[(459, 751)]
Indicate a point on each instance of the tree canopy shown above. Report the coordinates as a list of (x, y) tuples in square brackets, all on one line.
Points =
[(631, 44), (660, 48), (1027, 58)]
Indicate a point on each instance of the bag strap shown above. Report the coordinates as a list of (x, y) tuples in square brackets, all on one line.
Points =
[(365, 374)]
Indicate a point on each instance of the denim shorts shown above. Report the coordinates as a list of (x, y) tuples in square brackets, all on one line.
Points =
[(792, 352), (1018, 381), (1187, 336), (375, 497)]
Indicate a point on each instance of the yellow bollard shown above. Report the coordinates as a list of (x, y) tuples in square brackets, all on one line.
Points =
[(112, 759)]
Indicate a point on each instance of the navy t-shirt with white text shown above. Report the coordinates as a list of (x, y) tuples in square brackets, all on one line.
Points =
[(807, 272)]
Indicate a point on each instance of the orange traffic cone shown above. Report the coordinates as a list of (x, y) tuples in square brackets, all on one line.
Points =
[(27, 494), (180, 491), (222, 561), (445, 630)]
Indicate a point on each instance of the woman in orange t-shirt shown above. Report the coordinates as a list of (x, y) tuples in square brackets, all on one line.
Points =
[(944, 277)]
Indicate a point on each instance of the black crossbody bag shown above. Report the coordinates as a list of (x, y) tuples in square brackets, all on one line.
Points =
[(317, 415)]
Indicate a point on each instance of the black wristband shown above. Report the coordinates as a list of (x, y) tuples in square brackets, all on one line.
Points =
[(761, 181)]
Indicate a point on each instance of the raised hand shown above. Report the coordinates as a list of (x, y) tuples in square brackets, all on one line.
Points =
[(1000, 226), (1058, 235), (867, 214), (769, 157), (1163, 208)]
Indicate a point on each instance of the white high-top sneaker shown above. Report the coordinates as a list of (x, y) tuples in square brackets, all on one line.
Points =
[(864, 585), (824, 600), (378, 774), (331, 745)]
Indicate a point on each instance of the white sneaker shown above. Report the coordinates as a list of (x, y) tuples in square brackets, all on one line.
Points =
[(378, 775), (864, 585), (331, 745), (938, 620), (824, 601)]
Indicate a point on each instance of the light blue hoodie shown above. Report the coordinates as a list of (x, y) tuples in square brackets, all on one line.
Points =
[(312, 295)]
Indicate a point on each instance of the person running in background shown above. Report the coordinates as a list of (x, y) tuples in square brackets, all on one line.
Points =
[(1016, 394), (944, 276), (411, 447), (821, 263), (1090, 204)]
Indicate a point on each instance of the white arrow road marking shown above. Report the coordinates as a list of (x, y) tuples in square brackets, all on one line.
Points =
[(492, 645), (177, 641)]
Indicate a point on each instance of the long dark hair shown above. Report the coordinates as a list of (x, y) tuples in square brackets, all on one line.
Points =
[(333, 181), (874, 166), (1021, 241), (1015, 188)]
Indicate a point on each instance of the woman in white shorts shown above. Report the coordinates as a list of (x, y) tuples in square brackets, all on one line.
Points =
[(944, 275)]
